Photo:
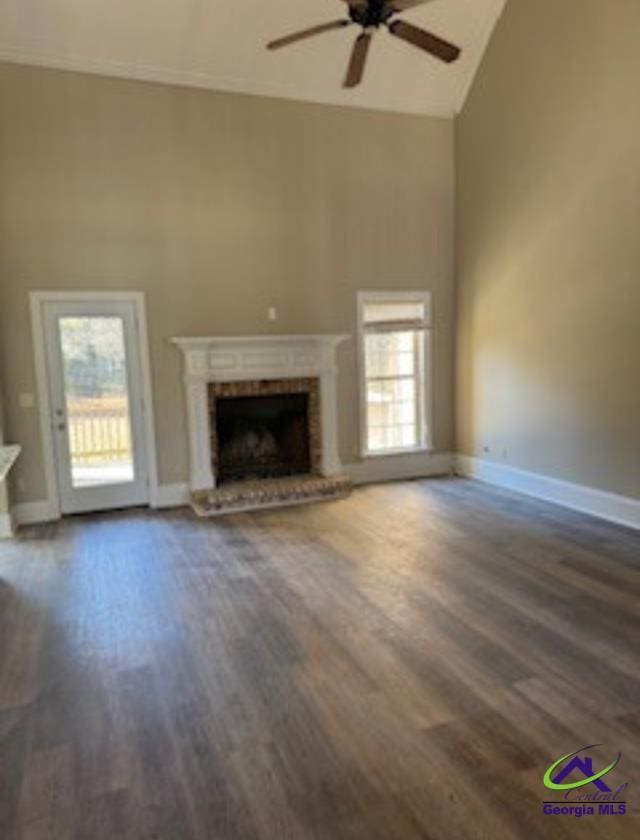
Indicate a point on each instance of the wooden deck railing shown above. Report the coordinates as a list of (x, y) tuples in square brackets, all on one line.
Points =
[(99, 430)]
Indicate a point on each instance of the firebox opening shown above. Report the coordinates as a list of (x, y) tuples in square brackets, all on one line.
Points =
[(262, 436)]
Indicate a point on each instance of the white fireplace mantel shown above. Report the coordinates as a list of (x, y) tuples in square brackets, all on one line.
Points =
[(234, 358)]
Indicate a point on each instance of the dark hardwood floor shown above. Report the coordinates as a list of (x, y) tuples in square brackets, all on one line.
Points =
[(402, 664)]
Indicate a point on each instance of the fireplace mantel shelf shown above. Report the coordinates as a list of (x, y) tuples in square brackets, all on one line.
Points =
[(199, 342), (210, 359)]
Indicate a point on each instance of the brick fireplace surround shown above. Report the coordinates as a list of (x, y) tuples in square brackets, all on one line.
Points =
[(266, 388)]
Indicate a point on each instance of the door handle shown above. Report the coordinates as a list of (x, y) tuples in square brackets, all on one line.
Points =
[(61, 426)]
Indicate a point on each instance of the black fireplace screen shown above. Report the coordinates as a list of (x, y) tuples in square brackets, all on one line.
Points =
[(262, 436)]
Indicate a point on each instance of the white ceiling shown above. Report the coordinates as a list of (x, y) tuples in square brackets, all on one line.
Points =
[(220, 44)]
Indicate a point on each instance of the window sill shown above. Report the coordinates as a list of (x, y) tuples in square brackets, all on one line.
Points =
[(386, 453)]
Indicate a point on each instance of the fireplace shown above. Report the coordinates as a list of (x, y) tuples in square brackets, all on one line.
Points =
[(261, 418), (264, 428), (262, 437)]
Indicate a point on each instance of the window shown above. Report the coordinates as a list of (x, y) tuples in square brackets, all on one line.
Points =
[(394, 346)]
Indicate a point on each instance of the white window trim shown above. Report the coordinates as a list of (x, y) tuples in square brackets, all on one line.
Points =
[(426, 407)]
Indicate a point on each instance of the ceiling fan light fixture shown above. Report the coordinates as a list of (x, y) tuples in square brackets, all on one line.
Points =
[(370, 15)]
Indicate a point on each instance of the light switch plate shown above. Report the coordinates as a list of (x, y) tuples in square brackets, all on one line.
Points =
[(27, 400)]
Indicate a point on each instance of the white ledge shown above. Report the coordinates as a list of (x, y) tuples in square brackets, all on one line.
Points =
[(203, 341), (8, 455)]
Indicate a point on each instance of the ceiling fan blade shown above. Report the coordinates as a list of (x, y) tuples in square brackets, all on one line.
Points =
[(424, 40), (307, 33), (403, 5), (357, 60)]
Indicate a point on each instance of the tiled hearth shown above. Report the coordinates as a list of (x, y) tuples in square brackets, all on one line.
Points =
[(222, 370), (236, 496)]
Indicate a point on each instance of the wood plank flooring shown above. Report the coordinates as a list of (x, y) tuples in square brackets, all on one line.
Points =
[(401, 664)]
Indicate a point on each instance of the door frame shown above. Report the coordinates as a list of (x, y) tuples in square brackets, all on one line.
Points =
[(37, 300)]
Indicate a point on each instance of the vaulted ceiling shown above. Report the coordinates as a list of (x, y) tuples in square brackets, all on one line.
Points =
[(220, 44)]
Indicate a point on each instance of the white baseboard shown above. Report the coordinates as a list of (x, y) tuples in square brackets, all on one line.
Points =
[(171, 495), (6, 525), (30, 513), (623, 510), (392, 468), (399, 467)]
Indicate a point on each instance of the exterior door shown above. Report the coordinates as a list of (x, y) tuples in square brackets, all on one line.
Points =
[(95, 389)]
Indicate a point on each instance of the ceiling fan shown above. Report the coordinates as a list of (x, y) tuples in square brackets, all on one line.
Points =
[(371, 15)]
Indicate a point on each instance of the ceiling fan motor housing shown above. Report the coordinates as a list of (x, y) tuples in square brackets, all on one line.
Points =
[(371, 14)]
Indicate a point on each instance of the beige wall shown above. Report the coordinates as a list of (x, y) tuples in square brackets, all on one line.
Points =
[(548, 245), (216, 206)]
